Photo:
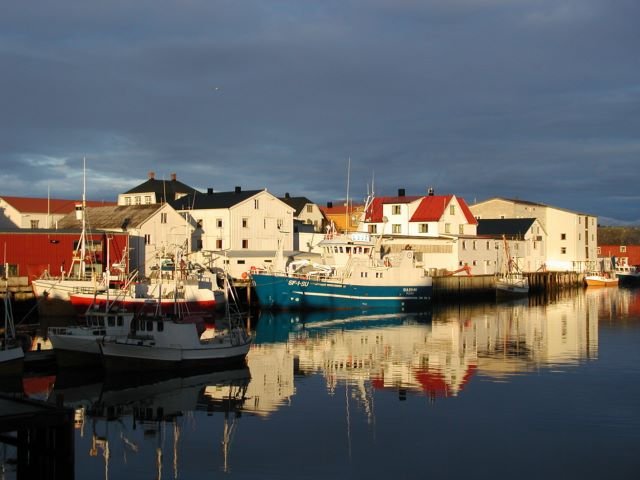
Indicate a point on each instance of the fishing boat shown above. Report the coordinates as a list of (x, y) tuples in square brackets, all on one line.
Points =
[(11, 352), (77, 345), (352, 274), (601, 279), (177, 341), (511, 281), (190, 288), (628, 274)]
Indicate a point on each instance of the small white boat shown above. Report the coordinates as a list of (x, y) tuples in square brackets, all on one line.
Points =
[(177, 342), (511, 281), (514, 283), (601, 279), (77, 345)]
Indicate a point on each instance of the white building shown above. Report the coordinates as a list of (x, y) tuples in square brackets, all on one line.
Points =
[(239, 229), (571, 237), (154, 231)]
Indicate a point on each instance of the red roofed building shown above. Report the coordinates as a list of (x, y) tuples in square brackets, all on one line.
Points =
[(24, 212), (420, 216)]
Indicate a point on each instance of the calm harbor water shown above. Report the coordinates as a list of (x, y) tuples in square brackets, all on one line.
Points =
[(544, 390)]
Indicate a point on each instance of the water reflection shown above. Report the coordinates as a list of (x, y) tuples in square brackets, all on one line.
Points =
[(119, 418), (127, 426), (435, 354)]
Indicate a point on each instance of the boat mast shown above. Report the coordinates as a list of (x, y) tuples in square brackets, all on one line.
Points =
[(346, 224), (83, 248)]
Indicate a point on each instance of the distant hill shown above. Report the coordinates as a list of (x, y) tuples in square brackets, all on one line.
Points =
[(619, 235)]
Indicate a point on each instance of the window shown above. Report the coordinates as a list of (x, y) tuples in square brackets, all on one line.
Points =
[(245, 222), (163, 217), (218, 222), (245, 243), (535, 245), (423, 228), (563, 236), (464, 244), (395, 228), (598, 251), (256, 203), (219, 244), (461, 229), (488, 245), (373, 229), (309, 208), (447, 228), (279, 222), (474, 245), (563, 250), (127, 200), (452, 209), (138, 200), (147, 199), (147, 239), (395, 209), (34, 223), (623, 249)]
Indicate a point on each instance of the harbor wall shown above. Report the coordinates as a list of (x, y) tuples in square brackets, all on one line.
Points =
[(484, 286)]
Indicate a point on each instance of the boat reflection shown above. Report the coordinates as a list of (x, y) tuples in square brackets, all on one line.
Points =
[(146, 416)]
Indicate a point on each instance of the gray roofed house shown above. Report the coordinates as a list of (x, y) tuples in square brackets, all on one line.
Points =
[(118, 217), (152, 228), (213, 200), (306, 211), (155, 191), (512, 228)]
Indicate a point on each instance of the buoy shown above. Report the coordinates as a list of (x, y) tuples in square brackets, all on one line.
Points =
[(244, 275)]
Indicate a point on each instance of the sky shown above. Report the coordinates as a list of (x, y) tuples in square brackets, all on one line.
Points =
[(531, 99)]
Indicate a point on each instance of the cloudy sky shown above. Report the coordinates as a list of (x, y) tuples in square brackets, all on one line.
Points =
[(530, 99)]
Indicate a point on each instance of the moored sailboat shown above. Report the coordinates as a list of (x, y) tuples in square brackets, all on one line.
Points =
[(511, 281)]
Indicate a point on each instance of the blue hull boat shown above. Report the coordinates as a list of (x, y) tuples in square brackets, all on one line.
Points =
[(284, 292)]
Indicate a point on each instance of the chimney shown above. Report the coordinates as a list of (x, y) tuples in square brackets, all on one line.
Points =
[(210, 191), (401, 192), (430, 191), (286, 195), (152, 175), (173, 177), (329, 204), (238, 189)]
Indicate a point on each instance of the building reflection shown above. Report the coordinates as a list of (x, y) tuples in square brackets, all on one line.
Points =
[(435, 354)]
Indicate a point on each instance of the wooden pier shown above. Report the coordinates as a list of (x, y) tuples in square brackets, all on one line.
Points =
[(484, 286), (43, 435)]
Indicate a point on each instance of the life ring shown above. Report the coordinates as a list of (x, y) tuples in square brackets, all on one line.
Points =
[(387, 262), (244, 275)]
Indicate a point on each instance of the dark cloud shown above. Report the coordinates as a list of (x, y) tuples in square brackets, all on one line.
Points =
[(531, 99)]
